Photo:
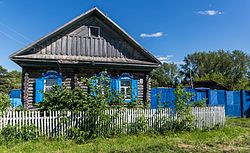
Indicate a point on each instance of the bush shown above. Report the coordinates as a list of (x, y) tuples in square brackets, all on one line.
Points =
[(4, 101), (28, 132), (12, 134), (9, 134), (138, 126), (200, 103), (183, 110)]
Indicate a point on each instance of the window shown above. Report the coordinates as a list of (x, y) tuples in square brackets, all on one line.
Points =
[(94, 31), (49, 83), (45, 83), (126, 88), (126, 85), (100, 84)]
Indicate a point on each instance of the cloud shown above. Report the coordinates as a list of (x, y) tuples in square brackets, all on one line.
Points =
[(152, 35), (164, 59), (167, 59), (210, 12)]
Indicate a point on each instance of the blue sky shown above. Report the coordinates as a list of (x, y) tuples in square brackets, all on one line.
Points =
[(167, 28)]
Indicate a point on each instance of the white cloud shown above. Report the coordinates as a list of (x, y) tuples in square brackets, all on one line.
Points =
[(164, 59), (210, 12), (167, 59), (155, 35)]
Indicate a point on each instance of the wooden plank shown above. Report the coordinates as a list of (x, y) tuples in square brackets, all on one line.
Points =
[(64, 45), (83, 46), (58, 46), (88, 44), (73, 49), (69, 45)]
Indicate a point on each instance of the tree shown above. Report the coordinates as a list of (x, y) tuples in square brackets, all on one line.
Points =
[(166, 75), (230, 69), (15, 79), (5, 84), (9, 80)]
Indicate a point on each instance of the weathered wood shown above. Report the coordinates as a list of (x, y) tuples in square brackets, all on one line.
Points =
[(25, 88), (90, 46), (72, 78)]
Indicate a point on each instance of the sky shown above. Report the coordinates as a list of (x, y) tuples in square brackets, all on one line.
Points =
[(169, 29)]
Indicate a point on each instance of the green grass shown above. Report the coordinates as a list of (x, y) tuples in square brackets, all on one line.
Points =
[(235, 137)]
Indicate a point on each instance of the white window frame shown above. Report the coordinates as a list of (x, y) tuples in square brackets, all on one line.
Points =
[(45, 85), (126, 88), (99, 31)]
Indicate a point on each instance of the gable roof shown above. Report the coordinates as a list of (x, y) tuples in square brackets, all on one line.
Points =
[(20, 55)]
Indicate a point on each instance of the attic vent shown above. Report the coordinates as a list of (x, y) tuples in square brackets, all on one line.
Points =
[(94, 31)]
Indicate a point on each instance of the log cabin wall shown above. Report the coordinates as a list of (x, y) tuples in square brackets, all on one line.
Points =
[(72, 78)]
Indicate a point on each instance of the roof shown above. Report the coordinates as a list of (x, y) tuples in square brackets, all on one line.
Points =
[(209, 84), (21, 55)]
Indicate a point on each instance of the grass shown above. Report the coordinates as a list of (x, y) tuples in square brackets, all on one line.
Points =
[(235, 137)]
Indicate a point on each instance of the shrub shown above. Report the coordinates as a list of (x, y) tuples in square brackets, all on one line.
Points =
[(138, 126), (12, 134), (200, 103), (4, 101), (183, 110), (9, 134), (28, 132)]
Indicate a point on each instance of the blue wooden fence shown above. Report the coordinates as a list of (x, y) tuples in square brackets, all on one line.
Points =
[(15, 98), (237, 103)]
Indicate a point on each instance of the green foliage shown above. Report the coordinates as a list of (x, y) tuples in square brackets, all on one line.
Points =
[(165, 76), (9, 80), (15, 78), (94, 105), (200, 103), (183, 109), (99, 99), (230, 69), (138, 126), (27, 132), (9, 134), (14, 134), (4, 101), (78, 134), (5, 84), (65, 99)]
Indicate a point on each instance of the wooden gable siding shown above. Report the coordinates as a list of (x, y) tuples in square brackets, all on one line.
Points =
[(90, 46), (76, 42)]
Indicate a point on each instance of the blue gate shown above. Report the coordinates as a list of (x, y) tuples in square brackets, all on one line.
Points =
[(15, 98)]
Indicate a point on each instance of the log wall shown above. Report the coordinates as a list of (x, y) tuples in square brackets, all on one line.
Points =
[(72, 78)]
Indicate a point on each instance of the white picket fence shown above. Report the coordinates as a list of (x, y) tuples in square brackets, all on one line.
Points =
[(57, 123)]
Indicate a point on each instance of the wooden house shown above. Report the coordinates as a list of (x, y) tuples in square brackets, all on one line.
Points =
[(83, 47)]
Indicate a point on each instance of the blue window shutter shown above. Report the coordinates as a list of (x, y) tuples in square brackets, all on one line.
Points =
[(59, 80), (134, 89), (93, 83), (39, 90), (115, 86)]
